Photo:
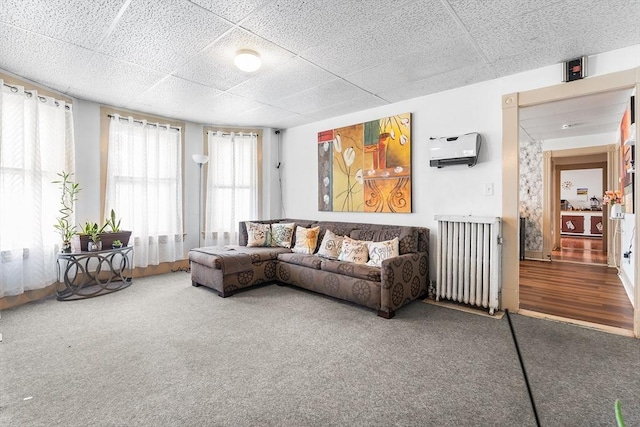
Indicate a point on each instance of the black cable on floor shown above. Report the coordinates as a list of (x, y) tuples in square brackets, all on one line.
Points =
[(524, 371)]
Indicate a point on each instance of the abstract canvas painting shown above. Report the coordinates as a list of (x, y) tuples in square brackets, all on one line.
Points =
[(366, 167)]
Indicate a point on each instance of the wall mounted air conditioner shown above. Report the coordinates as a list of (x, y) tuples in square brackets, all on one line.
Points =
[(454, 150)]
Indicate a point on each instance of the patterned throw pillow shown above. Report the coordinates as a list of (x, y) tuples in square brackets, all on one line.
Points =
[(282, 234), (306, 240), (330, 246), (355, 251), (379, 251), (258, 234)]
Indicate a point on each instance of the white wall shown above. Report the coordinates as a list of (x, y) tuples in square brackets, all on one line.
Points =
[(451, 190), (591, 179), (86, 121), (627, 264)]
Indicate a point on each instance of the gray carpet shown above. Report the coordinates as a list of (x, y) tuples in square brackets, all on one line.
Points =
[(162, 352)]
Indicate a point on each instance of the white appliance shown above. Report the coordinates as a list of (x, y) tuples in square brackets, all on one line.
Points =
[(454, 150)]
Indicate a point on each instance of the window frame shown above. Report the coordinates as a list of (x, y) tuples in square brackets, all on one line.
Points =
[(259, 160), (105, 112)]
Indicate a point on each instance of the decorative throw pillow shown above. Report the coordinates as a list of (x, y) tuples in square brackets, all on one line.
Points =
[(330, 246), (306, 240), (282, 234), (258, 234), (379, 251), (355, 251)]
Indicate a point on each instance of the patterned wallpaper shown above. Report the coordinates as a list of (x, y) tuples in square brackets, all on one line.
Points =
[(531, 188)]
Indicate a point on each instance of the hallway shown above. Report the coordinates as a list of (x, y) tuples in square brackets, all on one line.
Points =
[(590, 293)]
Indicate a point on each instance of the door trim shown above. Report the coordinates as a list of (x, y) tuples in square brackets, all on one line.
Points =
[(511, 103)]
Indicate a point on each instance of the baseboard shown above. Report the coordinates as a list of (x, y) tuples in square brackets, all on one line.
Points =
[(162, 268), (26, 297), (628, 285), (38, 294), (582, 323), (465, 308), (533, 255)]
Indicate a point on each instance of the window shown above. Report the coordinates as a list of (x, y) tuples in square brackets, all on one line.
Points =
[(36, 143), (144, 187), (232, 185)]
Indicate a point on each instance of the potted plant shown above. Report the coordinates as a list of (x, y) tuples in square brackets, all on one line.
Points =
[(91, 230), (117, 244), (112, 223), (614, 199), (68, 198)]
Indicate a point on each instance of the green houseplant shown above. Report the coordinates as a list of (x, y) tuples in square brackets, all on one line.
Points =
[(69, 195), (107, 234), (91, 230)]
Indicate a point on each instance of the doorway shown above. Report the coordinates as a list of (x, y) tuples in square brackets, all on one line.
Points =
[(512, 104), (579, 231)]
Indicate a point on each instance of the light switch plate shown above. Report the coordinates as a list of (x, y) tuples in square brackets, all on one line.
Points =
[(488, 189)]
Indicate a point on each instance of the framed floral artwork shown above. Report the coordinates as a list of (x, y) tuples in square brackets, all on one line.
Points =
[(366, 167)]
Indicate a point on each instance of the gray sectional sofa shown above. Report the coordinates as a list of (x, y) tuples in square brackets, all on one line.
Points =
[(399, 281)]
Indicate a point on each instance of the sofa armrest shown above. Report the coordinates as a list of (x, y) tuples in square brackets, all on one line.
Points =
[(404, 279)]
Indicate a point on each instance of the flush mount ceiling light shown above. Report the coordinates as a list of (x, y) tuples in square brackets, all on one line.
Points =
[(247, 60)]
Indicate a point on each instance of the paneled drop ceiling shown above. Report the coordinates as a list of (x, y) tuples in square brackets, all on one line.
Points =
[(585, 115), (321, 58)]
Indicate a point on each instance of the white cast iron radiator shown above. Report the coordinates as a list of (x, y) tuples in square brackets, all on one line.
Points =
[(469, 251)]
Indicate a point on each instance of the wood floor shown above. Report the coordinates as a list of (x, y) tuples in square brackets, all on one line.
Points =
[(590, 293), (587, 250)]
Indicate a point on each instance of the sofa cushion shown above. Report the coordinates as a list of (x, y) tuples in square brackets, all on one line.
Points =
[(355, 251), (259, 254), (208, 256), (306, 240), (379, 251), (282, 234), (258, 234), (360, 271), (304, 260), (407, 237), (330, 246)]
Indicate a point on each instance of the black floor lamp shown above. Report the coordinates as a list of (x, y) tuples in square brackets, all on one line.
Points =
[(200, 159)]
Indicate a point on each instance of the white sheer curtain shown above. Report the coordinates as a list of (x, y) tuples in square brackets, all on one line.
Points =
[(232, 186), (144, 187), (36, 143)]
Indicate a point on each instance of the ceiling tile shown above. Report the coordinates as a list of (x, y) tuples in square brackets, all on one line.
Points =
[(111, 77), (262, 116), (505, 31), (300, 25), (291, 121), (287, 79), (435, 59), (224, 108), (351, 106), (29, 55), (410, 28), (233, 11), (214, 66), (319, 97), (163, 38), (440, 82), (177, 93), (80, 22)]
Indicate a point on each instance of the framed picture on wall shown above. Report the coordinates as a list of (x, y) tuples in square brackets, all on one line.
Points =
[(627, 150)]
